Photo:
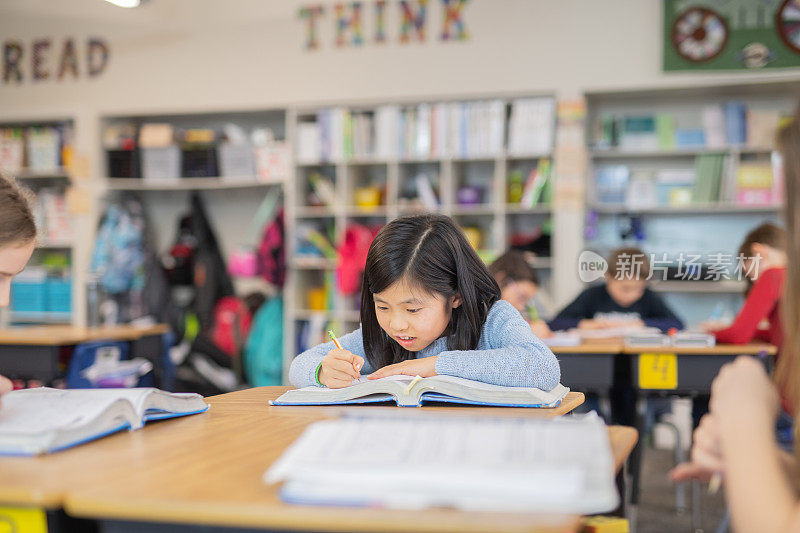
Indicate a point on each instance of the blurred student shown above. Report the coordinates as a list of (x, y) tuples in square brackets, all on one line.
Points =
[(736, 437), (764, 265), (518, 286), (624, 300), (17, 240)]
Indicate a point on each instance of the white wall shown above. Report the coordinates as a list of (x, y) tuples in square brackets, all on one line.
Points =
[(196, 55)]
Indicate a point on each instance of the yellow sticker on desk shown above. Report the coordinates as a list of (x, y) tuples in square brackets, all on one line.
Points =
[(658, 371), (22, 520)]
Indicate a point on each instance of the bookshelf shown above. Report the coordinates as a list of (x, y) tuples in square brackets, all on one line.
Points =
[(38, 152), (233, 158), (649, 181), (399, 158)]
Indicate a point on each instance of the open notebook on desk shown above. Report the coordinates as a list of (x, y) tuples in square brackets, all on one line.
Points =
[(34, 421), (471, 463), (410, 391)]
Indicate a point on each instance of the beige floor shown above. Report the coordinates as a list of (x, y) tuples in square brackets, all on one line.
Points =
[(657, 507)]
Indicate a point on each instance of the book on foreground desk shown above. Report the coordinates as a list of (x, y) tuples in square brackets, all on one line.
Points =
[(34, 421), (472, 463), (410, 391)]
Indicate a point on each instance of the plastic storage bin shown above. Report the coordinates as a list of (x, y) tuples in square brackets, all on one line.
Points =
[(161, 164), (123, 164), (59, 296), (28, 296), (199, 162), (237, 160)]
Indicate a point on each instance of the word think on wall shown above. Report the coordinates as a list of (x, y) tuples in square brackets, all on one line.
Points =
[(348, 17), (47, 59)]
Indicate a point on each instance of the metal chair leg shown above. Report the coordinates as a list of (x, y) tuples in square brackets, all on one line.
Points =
[(697, 507)]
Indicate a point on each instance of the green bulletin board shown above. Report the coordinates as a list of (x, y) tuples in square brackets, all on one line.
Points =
[(731, 34)]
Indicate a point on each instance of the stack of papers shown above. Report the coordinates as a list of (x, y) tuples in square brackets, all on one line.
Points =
[(464, 462)]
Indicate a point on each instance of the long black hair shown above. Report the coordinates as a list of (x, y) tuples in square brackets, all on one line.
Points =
[(430, 252)]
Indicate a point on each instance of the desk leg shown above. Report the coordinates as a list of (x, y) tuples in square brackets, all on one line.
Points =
[(60, 522), (697, 506), (636, 454)]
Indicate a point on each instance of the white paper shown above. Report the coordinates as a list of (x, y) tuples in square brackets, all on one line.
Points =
[(516, 464)]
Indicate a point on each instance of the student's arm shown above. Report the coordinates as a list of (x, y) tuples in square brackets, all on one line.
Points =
[(517, 358), (573, 313), (303, 371), (759, 303), (758, 487)]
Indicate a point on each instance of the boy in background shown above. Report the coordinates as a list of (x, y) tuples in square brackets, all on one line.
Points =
[(624, 300)]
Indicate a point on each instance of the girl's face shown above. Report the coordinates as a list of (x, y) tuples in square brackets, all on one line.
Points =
[(412, 317), (12, 260), (625, 292)]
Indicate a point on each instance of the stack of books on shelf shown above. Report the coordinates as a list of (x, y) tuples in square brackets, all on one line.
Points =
[(535, 190), (708, 178), (427, 131), (34, 148), (531, 125), (52, 216), (755, 185), (721, 125), (458, 129)]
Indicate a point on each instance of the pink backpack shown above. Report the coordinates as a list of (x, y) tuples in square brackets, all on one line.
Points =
[(232, 321)]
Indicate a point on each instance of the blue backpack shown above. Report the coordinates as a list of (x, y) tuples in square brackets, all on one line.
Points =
[(118, 255), (263, 352)]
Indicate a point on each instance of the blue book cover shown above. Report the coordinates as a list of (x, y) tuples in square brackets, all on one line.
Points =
[(736, 122)]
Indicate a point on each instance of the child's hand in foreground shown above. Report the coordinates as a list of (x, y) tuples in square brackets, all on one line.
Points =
[(340, 368)]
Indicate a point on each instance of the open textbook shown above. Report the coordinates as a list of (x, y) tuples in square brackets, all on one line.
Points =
[(34, 421), (410, 391), (473, 463)]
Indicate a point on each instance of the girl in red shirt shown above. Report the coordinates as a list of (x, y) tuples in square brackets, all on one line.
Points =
[(759, 318)]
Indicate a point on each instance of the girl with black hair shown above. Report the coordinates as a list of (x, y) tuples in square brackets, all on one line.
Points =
[(430, 306)]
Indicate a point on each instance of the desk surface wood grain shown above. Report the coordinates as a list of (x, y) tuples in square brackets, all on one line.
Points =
[(752, 348), (208, 469), (69, 335)]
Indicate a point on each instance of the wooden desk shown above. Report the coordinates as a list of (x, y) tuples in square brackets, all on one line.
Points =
[(67, 335), (33, 352), (589, 367), (208, 469)]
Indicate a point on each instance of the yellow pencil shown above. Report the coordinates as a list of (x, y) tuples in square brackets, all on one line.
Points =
[(335, 340)]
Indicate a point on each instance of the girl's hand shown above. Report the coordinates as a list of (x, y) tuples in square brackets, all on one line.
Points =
[(706, 454), (743, 398), (590, 323), (541, 329), (425, 367), (340, 368), (5, 385)]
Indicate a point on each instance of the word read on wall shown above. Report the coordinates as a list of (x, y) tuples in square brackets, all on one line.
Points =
[(50, 59)]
